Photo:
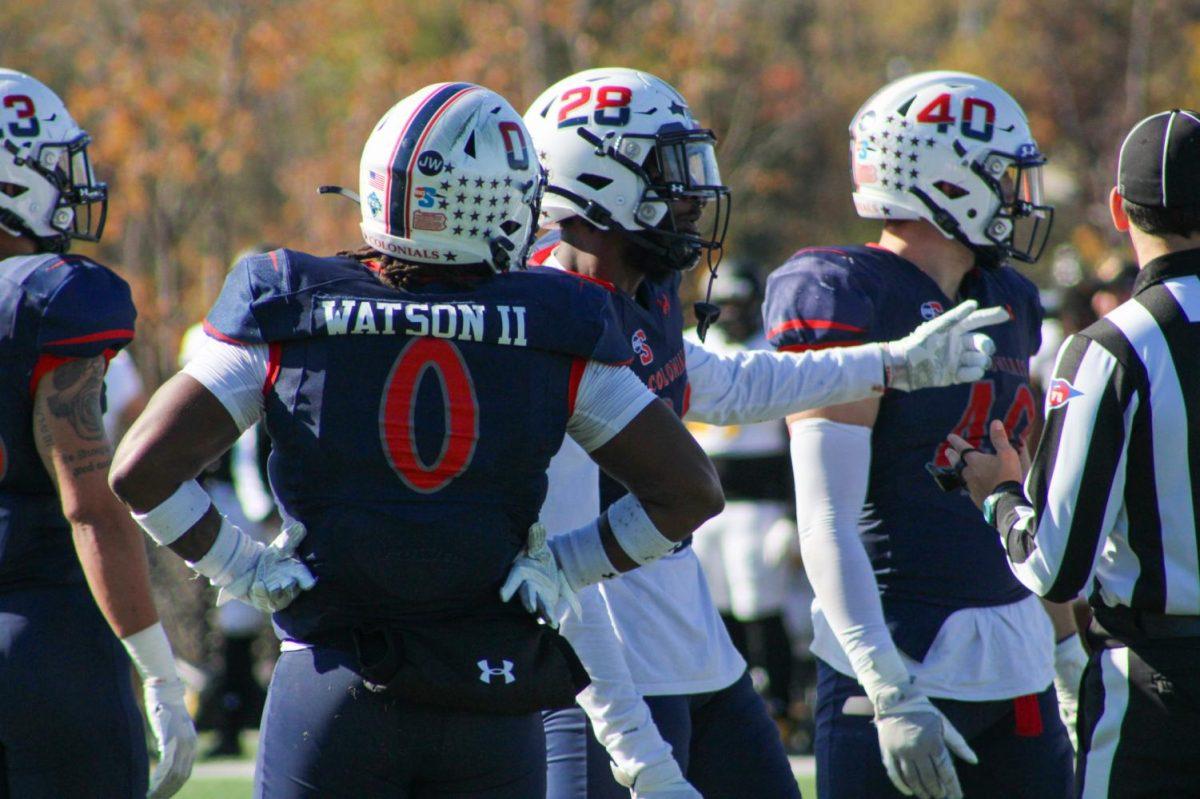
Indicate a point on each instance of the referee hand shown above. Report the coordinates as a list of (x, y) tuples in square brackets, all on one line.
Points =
[(983, 472)]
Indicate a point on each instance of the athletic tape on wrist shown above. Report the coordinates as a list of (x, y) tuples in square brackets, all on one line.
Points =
[(581, 557), (635, 532), (231, 554), (176, 514), (150, 652)]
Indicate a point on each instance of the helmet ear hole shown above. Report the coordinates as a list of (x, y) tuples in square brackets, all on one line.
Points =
[(952, 190), (596, 182), (12, 189)]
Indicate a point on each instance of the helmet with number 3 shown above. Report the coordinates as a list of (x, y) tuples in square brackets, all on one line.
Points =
[(956, 150), (619, 147), (47, 189), (448, 176)]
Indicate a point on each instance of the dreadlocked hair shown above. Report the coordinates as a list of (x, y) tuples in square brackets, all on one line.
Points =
[(407, 275)]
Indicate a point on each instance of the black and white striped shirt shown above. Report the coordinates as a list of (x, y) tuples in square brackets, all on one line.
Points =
[(1114, 490)]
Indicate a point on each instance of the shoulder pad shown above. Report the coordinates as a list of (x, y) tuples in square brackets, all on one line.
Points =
[(85, 308), (574, 315), (820, 298), (260, 302)]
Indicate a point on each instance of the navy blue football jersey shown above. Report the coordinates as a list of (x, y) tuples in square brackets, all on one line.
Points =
[(410, 430), (53, 308), (931, 551), (651, 323)]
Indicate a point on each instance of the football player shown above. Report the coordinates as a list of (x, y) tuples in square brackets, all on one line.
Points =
[(69, 724), (631, 177), (927, 644), (414, 391)]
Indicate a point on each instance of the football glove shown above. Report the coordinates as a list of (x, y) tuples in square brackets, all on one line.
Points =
[(1069, 662), (536, 578), (915, 740), (174, 734), (662, 780), (943, 351), (266, 577)]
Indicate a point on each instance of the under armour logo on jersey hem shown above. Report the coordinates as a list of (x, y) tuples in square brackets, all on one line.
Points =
[(487, 672)]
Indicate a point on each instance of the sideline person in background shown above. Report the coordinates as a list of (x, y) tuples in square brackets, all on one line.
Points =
[(1110, 500)]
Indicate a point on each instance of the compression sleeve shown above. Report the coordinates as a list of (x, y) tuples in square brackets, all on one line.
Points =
[(619, 715), (608, 399), (235, 374), (759, 385), (831, 462)]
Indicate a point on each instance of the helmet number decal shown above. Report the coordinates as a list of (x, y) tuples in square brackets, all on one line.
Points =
[(441, 360), (938, 112), (612, 106), (25, 111), (514, 145)]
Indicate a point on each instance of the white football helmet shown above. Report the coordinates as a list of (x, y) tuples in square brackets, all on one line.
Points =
[(618, 146), (449, 176), (47, 189), (956, 150)]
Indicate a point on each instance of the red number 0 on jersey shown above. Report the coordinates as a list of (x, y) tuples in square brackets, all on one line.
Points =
[(398, 414)]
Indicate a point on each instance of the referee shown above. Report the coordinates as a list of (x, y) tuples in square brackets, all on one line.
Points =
[(1113, 494)]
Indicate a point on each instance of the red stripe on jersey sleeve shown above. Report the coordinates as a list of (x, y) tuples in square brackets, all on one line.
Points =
[(118, 334), (812, 324), (820, 345), (274, 355)]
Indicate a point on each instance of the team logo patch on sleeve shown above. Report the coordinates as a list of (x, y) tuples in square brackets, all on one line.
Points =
[(641, 348), (931, 309), (1061, 392)]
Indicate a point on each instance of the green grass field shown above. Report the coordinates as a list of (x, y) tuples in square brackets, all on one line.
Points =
[(224, 788), (202, 786)]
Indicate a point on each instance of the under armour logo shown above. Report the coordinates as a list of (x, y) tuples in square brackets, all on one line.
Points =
[(486, 672)]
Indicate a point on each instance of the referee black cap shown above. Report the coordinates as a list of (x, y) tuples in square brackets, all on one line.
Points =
[(1159, 165)]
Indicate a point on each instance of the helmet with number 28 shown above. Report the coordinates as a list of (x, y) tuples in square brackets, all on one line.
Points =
[(956, 150), (47, 189), (620, 147), (448, 176)]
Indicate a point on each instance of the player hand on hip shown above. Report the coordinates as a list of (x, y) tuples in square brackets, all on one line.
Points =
[(916, 740), (661, 780), (536, 578), (173, 732), (943, 351), (267, 577)]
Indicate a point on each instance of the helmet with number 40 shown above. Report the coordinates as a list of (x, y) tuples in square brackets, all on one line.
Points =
[(620, 146), (47, 189), (956, 150)]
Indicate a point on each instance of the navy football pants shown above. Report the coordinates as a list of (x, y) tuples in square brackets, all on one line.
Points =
[(69, 725), (325, 735), (724, 741), (1022, 746)]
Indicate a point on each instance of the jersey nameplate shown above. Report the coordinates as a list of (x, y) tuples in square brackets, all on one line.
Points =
[(502, 324)]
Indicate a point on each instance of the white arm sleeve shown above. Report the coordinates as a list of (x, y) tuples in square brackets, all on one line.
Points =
[(612, 702), (607, 400), (760, 385), (831, 462), (235, 374)]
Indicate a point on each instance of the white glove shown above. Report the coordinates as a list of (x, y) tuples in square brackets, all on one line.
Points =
[(943, 351), (537, 579), (162, 689), (913, 737), (661, 780), (267, 577), (174, 733), (1069, 662)]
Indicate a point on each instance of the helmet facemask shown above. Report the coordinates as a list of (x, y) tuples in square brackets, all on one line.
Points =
[(1021, 225), (81, 202)]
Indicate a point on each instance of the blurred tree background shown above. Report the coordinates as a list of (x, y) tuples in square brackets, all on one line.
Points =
[(215, 120)]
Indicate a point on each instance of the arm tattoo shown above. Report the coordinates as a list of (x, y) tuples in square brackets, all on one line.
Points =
[(78, 386)]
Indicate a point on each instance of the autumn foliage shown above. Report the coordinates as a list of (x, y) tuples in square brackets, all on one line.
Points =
[(215, 121)]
